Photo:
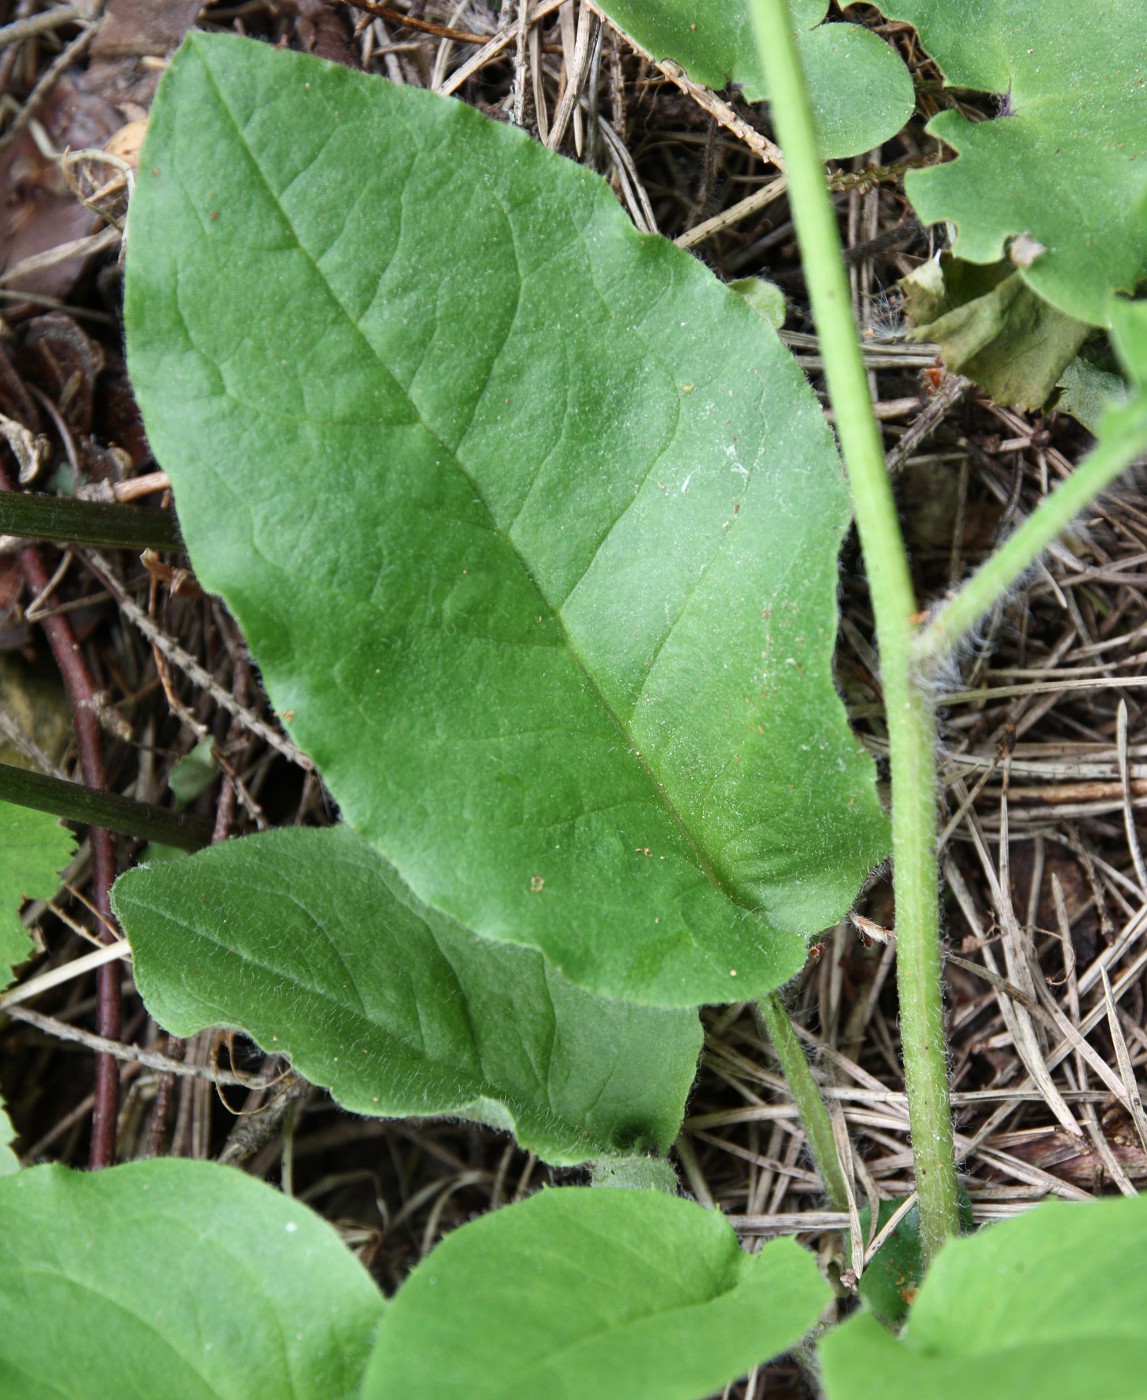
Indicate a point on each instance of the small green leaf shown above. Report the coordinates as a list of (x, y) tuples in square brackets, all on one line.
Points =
[(176, 1279), (1048, 1304), (1065, 162), (1129, 336), (194, 773), (1089, 391), (636, 1174), (1090, 386), (545, 583), (592, 1293), (993, 328), (893, 1278), (860, 91), (308, 942), (9, 1162), (157, 853), (1126, 419), (766, 298), (35, 849)]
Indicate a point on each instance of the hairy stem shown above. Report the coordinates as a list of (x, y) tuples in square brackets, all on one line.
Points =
[(1124, 438), (911, 718), (806, 1095)]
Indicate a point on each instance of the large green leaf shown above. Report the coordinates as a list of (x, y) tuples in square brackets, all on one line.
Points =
[(1048, 1304), (177, 1279), (309, 942), (860, 91), (600, 1293), (1066, 160), (530, 523), (34, 848)]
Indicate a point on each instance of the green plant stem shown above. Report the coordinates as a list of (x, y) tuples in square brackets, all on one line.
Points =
[(1124, 438), (911, 716), (36, 516), (90, 807), (806, 1095)]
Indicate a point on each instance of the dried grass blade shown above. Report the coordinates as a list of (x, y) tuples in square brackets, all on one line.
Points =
[(1123, 1060), (1128, 809)]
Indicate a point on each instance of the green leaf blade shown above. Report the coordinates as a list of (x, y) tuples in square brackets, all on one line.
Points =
[(546, 580), (1066, 163), (198, 1282), (1129, 335), (1030, 1306), (860, 91), (35, 849), (580, 1292), (9, 1162), (307, 942)]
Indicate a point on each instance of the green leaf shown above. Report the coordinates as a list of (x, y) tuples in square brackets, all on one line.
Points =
[(308, 942), (1129, 336), (860, 91), (194, 773), (636, 1174), (156, 853), (1089, 391), (177, 1279), (9, 1162), (766, 299), (35, 849), (1065, 163), (531, 525), (1125, 422), (893, 1278), (1050, 1304), (592, 1292), (993, 328)]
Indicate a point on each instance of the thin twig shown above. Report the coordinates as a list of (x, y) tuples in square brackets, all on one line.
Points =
[(407, 21), (47, 20), (131, 1054), (190, 667)]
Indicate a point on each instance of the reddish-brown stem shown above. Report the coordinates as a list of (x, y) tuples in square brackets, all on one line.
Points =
[(81, 691)]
